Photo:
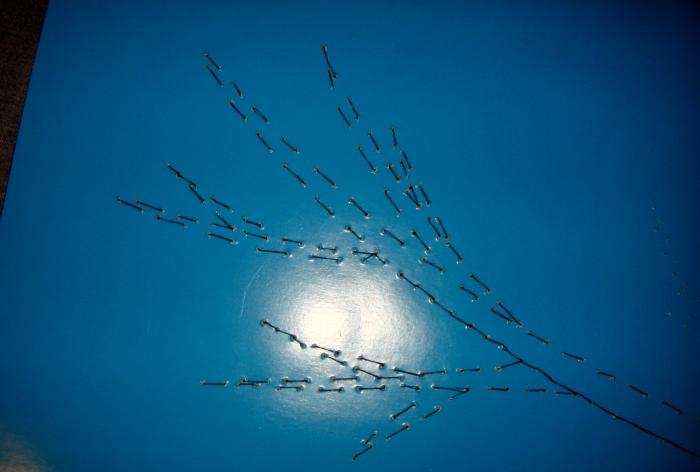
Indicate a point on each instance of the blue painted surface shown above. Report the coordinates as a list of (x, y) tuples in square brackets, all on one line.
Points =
[(543, 135)]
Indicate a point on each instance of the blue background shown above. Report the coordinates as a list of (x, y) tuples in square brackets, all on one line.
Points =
[(552, 140)]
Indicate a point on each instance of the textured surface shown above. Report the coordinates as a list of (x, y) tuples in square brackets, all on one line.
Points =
[(20, 25), (543, 135)]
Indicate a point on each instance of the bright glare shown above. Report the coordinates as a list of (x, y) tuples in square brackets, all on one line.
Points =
[(357, 314), (354, 312)]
